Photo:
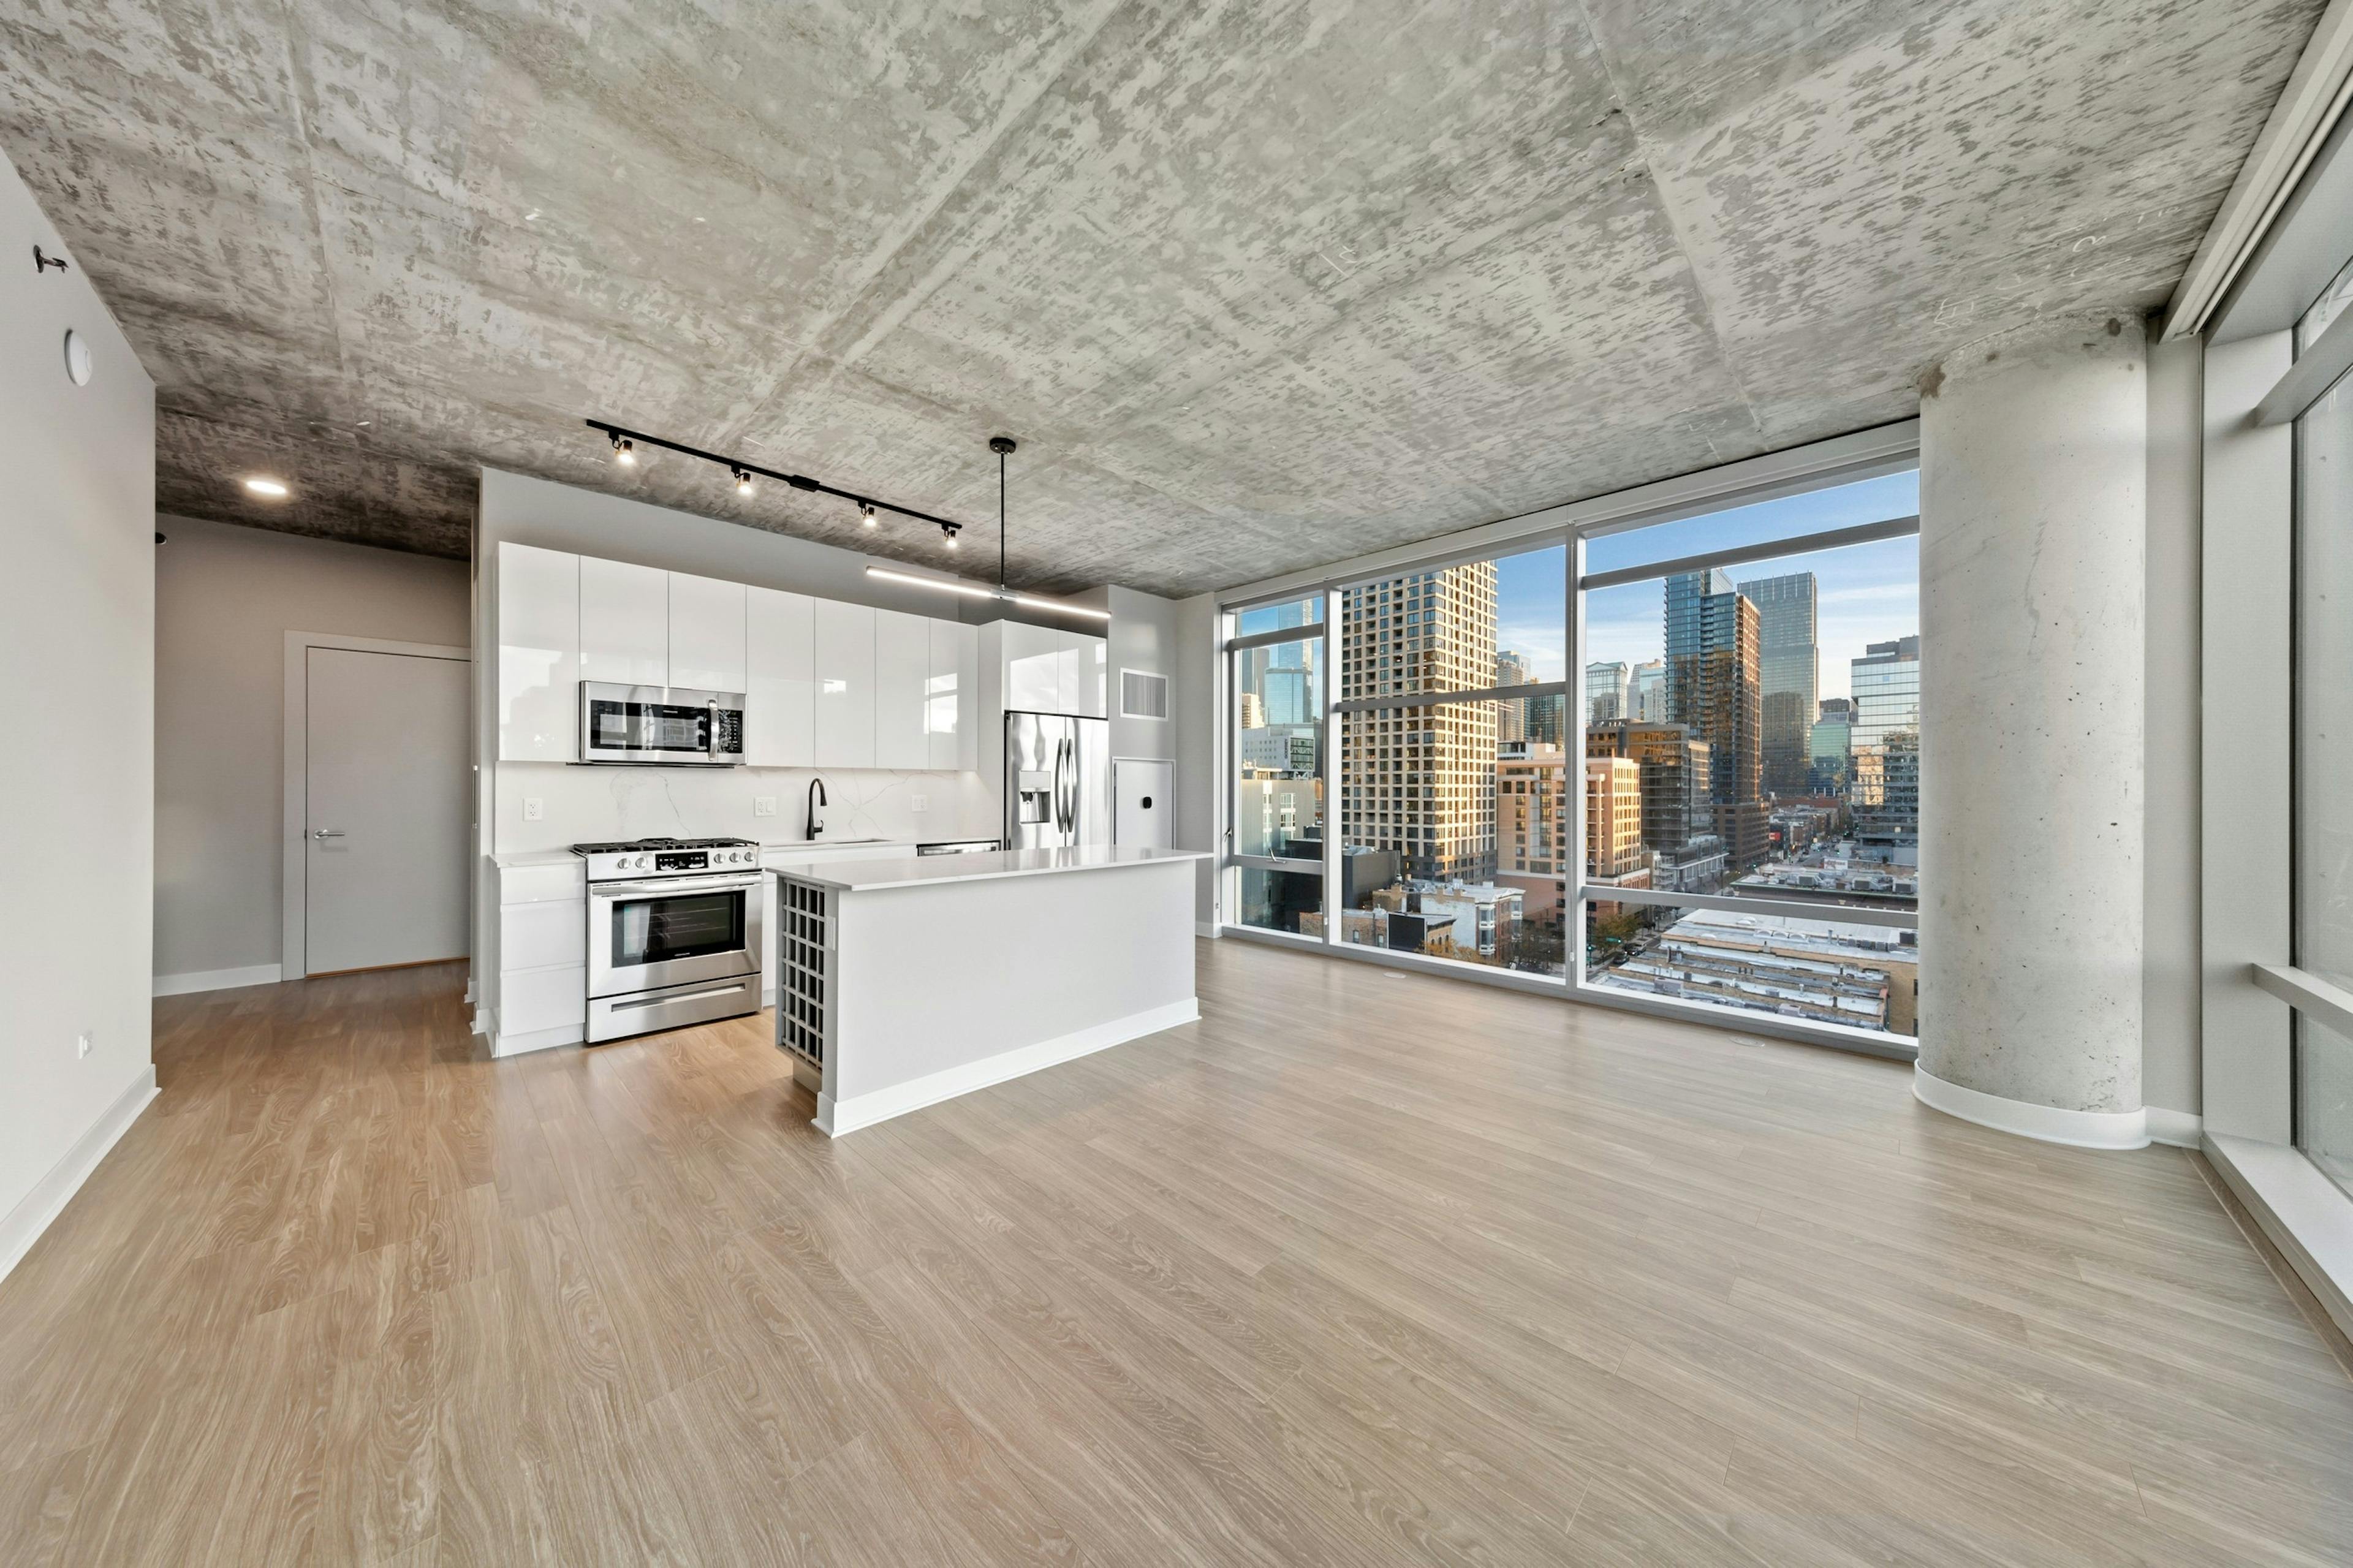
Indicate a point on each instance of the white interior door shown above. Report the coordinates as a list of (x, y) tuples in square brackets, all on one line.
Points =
[(386, 810), (1142, 816)]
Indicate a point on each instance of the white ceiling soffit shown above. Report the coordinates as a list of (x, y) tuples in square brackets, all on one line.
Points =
[(2307, 111)]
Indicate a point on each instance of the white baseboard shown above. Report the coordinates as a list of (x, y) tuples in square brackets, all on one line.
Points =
[(217, 979), (2046, 1123), (48, 1197), (835, 1117), (538, 1040), (1206, 928), (2179, 1129), (486, 1022)]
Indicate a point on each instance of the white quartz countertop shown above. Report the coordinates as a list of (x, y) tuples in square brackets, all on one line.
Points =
[(869, 876), (518, 859)]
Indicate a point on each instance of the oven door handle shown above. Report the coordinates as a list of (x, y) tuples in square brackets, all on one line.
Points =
[(681, 885)]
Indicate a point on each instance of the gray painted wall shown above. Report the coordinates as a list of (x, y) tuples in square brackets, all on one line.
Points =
[(225, 599), (78, 640), (2170, 978)]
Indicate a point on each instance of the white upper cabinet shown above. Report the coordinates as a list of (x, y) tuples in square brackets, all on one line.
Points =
[(903, 668), (624, 623), (952, 698), (706, 633), (1033, 669), (779, 679), (844, 638), (1086, 669), (539, 655)]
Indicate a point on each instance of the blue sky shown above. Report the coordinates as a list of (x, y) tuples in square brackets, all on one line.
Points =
[(1865, 594)]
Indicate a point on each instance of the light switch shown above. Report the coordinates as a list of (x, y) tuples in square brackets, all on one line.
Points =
[(764, 805), (534, 809), (81, 1043)]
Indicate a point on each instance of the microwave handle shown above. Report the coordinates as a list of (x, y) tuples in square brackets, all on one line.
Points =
[(711, 733)]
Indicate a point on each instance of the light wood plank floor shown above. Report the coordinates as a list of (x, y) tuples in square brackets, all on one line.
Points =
[(1360, 1270)]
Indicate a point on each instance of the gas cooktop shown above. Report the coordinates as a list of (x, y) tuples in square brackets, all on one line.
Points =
[(668, 857), (632, 846)]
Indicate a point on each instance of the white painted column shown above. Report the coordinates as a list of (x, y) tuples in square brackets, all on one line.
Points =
[(2033, 525)]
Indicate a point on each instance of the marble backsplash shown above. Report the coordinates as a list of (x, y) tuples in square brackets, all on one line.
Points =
[(588, 805)]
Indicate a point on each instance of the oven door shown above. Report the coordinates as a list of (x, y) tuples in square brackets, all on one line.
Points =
[(668, 930), (659, 724)]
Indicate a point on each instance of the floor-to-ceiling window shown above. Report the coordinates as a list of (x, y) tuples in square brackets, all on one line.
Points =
[(1668, 760), (2322, 1075), (1752, 758), (1275, 820)]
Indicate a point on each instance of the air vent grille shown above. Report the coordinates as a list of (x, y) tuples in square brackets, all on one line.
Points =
[(1143, 695)]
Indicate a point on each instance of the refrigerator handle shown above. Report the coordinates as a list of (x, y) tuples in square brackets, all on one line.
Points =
[(1063, 770)]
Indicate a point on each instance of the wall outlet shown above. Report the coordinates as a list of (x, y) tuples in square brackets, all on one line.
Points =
[(81, 1045), (920, 803), (534, 809), (764, 805)]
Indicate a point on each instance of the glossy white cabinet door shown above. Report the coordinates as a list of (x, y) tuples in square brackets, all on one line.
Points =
[(844, 638), (902, 666), (1033, 669), (624, 623), (779, 679), (539, 655), (706, 633), (951, 700), (1084, 669)]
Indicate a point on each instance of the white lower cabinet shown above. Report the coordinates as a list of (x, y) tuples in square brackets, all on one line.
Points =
[(903, 669), (844, 636)]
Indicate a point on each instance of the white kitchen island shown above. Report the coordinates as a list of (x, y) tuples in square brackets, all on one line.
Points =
[(905, 981)]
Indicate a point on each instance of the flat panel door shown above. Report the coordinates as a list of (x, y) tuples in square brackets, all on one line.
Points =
[(1033, 669), (386, 809), (539, 655), (1084, 670), (706, 633), (844, 640), (624, 623), (952, 697), (779, 679), (1142, 817), (903, 665)]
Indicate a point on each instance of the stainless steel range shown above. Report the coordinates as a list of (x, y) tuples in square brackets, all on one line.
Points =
[(674, 932)]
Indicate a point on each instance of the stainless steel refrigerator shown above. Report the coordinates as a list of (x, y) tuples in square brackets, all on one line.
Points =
[(1056, 780)]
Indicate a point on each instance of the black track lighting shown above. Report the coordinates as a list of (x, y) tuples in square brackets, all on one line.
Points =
[(624, 451), (625, 445), (950, 533), (743, 482), (866, 512)]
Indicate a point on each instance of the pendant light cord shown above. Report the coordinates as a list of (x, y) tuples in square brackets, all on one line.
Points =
[(1000, 520)]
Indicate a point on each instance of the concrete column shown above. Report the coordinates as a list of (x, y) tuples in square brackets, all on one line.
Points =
[(2033, 529)]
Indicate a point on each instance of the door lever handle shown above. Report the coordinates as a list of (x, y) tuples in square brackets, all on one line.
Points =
[(326, 833)]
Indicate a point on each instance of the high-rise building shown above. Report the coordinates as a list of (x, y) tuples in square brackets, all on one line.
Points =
[(1646, 692), (1250, 710), (1531, 808), (1512, 715), (1677, 805), (1788, 676), (1885, 741), (1545, 717), (1828, 768), (1605, 693), (1613, 818), (1421, 780), (1713, 685)]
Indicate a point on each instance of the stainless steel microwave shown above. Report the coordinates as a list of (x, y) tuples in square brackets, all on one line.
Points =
[(661, 724)]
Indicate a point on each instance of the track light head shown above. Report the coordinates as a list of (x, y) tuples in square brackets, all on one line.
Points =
[(624, 451), (950, 534), (743, 482), (866, 512)]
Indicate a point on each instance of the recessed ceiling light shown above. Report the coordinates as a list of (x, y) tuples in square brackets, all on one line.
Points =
[(274, 488), (531, 216)]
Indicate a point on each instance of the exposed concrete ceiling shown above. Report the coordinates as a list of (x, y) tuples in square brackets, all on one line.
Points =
[(1259, 285)]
